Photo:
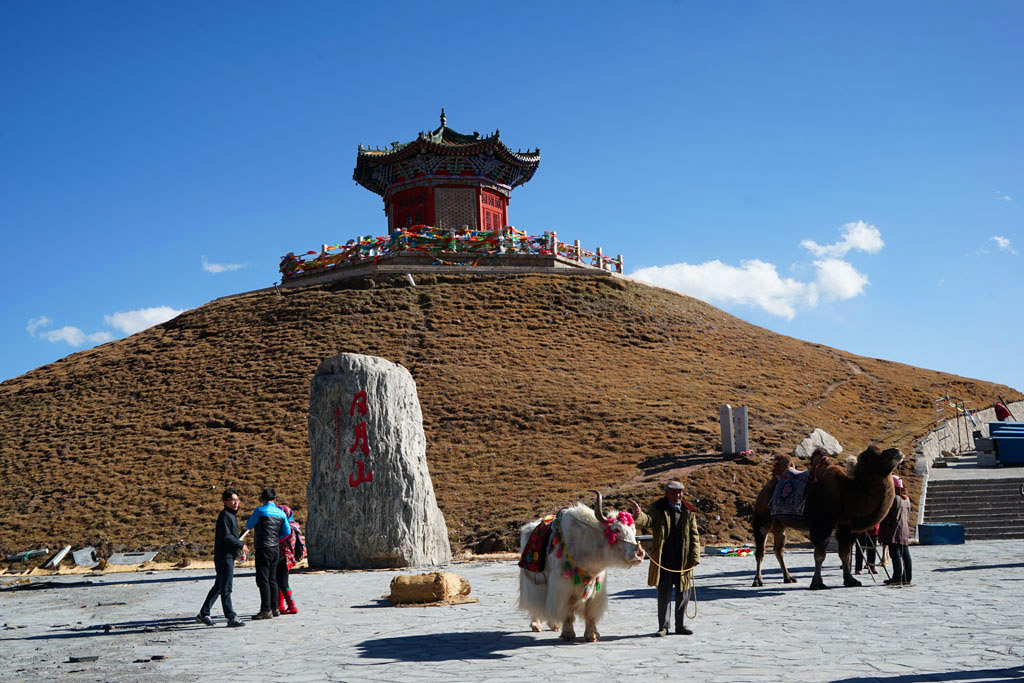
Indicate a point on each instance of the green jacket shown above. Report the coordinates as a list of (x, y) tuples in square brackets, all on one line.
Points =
[(657, 520)]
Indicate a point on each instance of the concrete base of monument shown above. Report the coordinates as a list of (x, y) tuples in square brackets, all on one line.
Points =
[(449, 264)]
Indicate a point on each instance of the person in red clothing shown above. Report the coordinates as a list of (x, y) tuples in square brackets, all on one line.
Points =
[(285, 563)]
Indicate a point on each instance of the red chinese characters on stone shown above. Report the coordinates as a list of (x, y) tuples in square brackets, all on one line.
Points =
[(361, 477), (358, 403), (362, 440)]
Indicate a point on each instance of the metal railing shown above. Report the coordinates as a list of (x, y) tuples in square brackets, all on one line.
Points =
[(436, 242)]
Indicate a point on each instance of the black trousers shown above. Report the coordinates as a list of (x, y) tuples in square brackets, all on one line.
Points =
[(282, 575), (901, 566), (866, 541), (667, 582), (225, 565), (266, 577)]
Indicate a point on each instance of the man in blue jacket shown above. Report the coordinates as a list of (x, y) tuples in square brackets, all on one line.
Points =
[(271, 526), (226, 545)]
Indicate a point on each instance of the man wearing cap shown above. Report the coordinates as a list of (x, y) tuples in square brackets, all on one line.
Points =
[(675, 549), (894, 531)]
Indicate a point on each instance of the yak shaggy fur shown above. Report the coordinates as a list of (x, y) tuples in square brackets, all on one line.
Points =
[(551, 598)]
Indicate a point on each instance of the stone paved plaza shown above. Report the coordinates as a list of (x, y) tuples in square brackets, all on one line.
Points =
[(962, 620)]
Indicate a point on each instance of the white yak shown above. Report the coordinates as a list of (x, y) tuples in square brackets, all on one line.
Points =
[(581, 546)]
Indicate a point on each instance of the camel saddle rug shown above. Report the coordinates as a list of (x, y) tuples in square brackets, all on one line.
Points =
[(790, 494), (536, 549)]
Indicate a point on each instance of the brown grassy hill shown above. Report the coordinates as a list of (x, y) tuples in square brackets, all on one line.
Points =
[(534, 389)]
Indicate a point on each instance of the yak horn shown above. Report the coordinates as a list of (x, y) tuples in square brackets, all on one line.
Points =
[(600, 505)]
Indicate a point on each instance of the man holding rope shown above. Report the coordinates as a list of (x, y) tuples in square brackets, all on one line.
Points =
[(674, 553)]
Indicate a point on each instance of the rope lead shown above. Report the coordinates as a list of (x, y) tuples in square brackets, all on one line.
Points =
[(692, 581)]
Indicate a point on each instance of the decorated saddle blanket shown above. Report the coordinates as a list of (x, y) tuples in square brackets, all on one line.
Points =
[(536, 549), (790, 494)]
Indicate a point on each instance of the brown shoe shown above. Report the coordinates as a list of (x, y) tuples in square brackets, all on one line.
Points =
[(263, 615), (275, 612)]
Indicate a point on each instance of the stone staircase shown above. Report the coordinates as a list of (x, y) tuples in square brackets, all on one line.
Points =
[(987, 508)]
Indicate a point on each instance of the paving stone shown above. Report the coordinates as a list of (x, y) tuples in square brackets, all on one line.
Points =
[(959, 622)]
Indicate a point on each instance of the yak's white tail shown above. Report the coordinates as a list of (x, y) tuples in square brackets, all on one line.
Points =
[(533, 588)]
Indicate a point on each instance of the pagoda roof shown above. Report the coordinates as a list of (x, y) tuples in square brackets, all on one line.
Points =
[(377, 168)]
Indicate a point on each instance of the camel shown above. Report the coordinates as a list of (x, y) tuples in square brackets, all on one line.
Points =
[(847, 502)]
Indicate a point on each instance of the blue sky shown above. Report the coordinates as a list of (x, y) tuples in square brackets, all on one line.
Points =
[(846, 173)]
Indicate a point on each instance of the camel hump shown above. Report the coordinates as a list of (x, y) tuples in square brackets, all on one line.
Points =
[(820, 462), (783, 463)]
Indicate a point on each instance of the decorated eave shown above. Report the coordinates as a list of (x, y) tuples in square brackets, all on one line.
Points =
[(442, 154)]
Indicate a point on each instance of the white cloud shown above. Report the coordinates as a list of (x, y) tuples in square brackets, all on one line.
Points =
[(838, 280), (754, 283), (1003, 243), (216, 268), (858, 236), (75, 337), (757, 283), (131, 322), (35, 323)]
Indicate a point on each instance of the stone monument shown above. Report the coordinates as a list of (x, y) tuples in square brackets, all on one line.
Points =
[(371, 501), (735, 433)]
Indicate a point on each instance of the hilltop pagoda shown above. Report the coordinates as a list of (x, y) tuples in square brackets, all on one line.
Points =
[(446, 196), (445, 179)]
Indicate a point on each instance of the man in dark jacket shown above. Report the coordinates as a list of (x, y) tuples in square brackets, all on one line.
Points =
[(676, 547), (271, 526), (226, 545)]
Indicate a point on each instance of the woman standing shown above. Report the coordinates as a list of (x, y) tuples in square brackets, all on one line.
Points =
[(289, 546)]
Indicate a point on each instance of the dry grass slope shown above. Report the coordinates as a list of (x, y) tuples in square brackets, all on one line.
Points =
[(534, 389)]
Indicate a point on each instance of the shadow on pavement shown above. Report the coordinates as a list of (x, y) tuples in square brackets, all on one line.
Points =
[(988, 675), (1011, 565), (119, 628), (440, 647), (379, 602), (775, 574), (705, 592), (99, 582)]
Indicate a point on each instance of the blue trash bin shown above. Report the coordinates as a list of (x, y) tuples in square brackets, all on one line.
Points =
[(940, 534)]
